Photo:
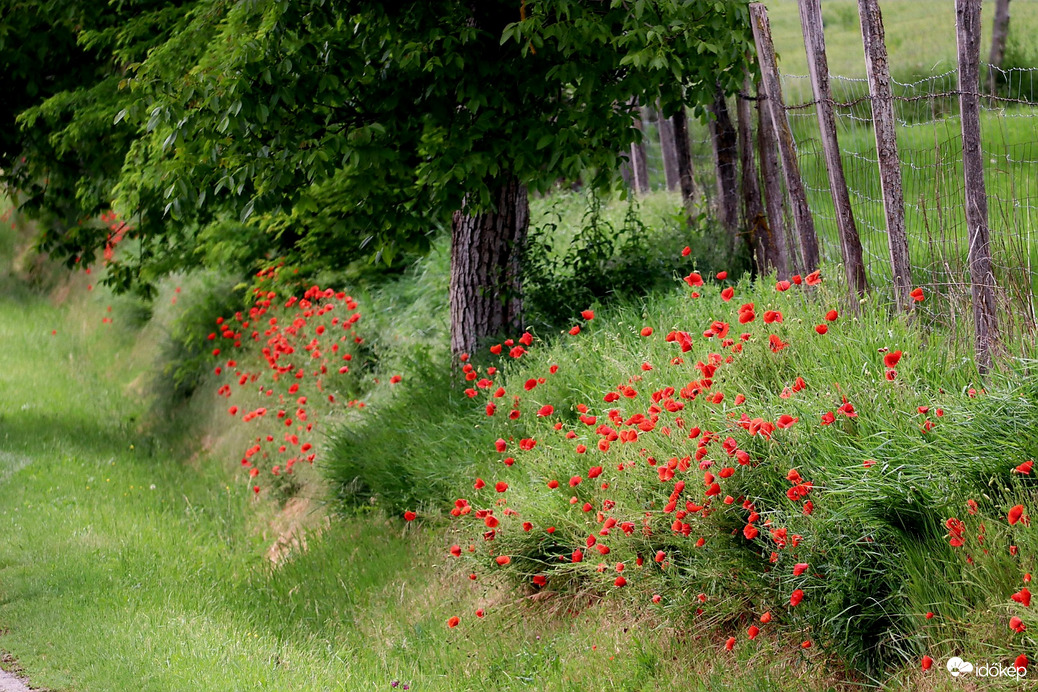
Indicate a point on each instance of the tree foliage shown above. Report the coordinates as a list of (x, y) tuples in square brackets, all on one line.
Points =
[(331, 131)]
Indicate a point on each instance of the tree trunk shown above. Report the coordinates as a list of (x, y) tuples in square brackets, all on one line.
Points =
[(683, 147), (639, 161), (723, 139), (999, 32), (485, 283), (669, 152), (755, 223)]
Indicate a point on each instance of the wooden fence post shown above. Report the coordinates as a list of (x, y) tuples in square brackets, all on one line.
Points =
[(886, 146), (982, 279), (724, 145), (755, 223), (683, 147), (668, 151), (639, 161), (818, 66), (772, 86), (775, 245)]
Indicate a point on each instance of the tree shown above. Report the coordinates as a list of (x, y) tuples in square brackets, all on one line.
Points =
[(999, 32), (329, 131)]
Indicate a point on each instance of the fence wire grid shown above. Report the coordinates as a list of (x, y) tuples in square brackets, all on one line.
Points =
[(929, 138)]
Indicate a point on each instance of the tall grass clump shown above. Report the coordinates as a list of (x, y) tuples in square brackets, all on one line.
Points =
[(772, 462), (185, 314)]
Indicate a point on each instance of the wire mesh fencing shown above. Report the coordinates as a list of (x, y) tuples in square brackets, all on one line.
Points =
[(929, 139)]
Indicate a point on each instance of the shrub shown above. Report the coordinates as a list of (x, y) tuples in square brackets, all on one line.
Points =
[(614, 253)]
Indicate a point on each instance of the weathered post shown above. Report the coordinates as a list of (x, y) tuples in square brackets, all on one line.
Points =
[(982, 279), (668, 151), (772, 87), (886, 146), (999, 32), (818, 67), (775, 245), (754, 222), (723, 140), (683, 148), (639, 161)]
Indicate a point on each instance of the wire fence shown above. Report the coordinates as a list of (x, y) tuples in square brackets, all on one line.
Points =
[(929, 141)]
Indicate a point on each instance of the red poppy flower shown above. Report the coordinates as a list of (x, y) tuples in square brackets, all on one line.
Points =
[(409, 515), (453, 622), (796, 597), (727, 294), (891, 359), (821, 329), (1024, 468), (646, 331), (730, 644), (927, 662), (753, 631), (502, 560), (799, 568), (917, 295), (1015, 513)]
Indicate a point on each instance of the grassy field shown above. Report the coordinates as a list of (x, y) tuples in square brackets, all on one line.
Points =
[(137, 557), (905, 22), (129, 563)]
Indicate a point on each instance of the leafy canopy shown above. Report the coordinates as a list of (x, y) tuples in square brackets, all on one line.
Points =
[(330, 131)]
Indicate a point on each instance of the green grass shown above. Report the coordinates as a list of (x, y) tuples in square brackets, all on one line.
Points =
[(932, 176), (877, 536), (906, 23), (127, 566)]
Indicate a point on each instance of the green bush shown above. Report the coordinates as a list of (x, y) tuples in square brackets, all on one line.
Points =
[(614, 250)]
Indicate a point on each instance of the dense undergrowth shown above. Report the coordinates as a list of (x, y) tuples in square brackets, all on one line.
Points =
[(834, 471), (757, 468)]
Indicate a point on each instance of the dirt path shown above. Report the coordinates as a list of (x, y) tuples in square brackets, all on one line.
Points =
[(12, 683)]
